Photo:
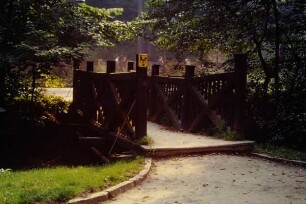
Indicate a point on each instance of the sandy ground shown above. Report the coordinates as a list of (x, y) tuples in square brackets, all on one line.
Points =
[(164, 138), (219, 179)]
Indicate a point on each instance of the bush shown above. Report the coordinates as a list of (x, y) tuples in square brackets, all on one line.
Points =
[(223, 131), (280, 120), (23, 117), (54, 81)]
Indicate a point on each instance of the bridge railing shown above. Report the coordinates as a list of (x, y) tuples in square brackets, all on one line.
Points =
[(109, 100), (190, 103), (121, 102)]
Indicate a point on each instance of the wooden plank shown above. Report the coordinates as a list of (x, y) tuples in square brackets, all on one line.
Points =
[(127, 124), (207, 106), (212, 115), (167, 108), (169, 80), (119, 108), (123, 76), (100, 155), (213, 77), (113, 91), (178, 93), (217, 97), (199, 96)]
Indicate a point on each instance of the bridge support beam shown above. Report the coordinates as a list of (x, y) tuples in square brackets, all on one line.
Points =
[(186, 117), (240, 88)]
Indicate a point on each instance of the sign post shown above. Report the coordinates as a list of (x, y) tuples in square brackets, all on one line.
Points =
[(142, 95), (142, 60)]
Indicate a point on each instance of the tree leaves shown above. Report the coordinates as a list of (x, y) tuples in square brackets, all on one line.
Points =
[(45, 33)]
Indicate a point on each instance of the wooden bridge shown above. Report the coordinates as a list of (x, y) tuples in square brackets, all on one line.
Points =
[(118, 105)]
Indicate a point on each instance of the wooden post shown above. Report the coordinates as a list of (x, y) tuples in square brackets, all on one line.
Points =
[(90, 66), (130, 66), (240, 89), (89, 93), (189, 71), (141, 100), (153, 93), (155, 70), (186, 118), (110, 67), (75, 93)]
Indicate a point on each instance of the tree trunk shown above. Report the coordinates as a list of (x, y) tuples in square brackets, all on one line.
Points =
[(277, 48), (265, 66), (3, 69), (33, 91)]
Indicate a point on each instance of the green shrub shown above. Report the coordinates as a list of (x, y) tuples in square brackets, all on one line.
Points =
[(53, 81), (223, 131), (145, 140)]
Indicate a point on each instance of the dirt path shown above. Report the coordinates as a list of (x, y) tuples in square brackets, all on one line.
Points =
[(219, 179), (165, 138)]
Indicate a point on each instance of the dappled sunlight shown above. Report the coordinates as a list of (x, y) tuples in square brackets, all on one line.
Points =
[(216, 178)]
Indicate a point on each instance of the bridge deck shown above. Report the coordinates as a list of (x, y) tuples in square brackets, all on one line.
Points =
[(170, 143)]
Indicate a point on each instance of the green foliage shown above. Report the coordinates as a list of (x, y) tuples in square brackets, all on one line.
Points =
[(129, 9), (146, 140), (36, 36), (279, 151), (62, 183), (53, 81), (281, 123), (223, 131), (23, 114), (53, 104), (272, 33)]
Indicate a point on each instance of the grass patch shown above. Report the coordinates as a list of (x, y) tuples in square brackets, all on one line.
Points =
[(281, 152), (62, 183)]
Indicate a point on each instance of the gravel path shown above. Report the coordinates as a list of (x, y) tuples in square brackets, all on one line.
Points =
[(165, 138), (212, 178), (219, 179)]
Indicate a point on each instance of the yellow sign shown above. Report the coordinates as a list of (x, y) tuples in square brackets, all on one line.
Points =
[(143, 60)]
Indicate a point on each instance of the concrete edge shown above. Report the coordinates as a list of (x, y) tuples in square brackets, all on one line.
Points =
[(115, 190), (167, 152), (277, 159)]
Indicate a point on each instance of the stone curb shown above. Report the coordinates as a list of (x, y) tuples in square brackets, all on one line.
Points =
[(176, 151), (115, 190), (295, 162)]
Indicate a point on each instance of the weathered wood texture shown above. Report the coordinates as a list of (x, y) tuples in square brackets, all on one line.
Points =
[(122, 102), (191, 103), (109, 99)]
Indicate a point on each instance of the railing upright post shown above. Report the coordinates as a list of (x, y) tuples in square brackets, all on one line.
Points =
[(153, 93), (90, 66), (240, 89), (110, 67), (155, 70), (75, 85), (130, 66), (89, 93), (141, 100), (186, 111)]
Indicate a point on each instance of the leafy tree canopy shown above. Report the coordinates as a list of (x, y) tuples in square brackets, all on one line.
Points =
[(46, 31), (271, 32), (39, 34)]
